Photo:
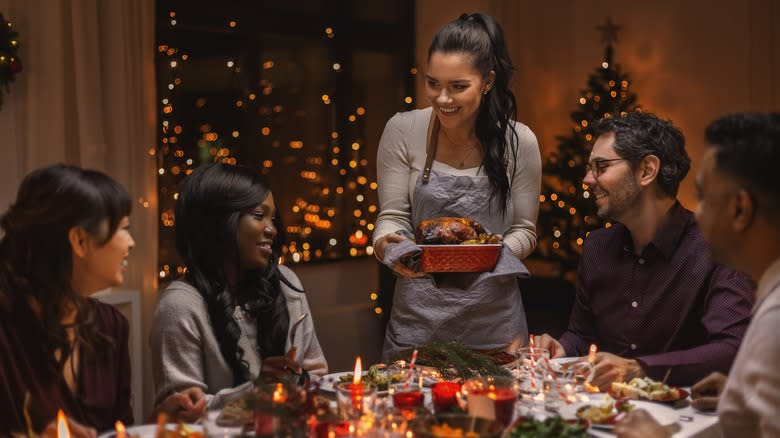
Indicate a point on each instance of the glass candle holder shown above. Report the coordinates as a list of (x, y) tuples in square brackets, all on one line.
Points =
[(355, 399)]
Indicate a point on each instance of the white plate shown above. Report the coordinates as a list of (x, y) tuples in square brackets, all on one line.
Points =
[(329, 381), (148, 430), (663, 414)]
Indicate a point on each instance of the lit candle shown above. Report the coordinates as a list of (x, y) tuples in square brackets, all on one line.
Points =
[(62, 425), (356, 389), (592, 353), (279, 395), (120, 429)]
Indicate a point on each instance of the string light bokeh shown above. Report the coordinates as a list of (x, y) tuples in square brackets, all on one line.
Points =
[(310, 137)]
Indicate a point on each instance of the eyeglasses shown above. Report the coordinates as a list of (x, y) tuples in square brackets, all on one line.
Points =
[(597, 167)]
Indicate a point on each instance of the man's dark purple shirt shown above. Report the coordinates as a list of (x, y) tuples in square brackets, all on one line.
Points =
[(669, 307)]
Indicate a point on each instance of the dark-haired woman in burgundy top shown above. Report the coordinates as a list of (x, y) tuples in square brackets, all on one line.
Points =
[(64, 238)]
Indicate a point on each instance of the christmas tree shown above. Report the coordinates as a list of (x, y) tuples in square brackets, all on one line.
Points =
[(566, 213)]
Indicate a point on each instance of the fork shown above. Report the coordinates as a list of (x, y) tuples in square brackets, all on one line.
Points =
[(295, 328)]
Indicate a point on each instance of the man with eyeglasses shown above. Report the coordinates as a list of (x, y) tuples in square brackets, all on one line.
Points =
[(649, 294)]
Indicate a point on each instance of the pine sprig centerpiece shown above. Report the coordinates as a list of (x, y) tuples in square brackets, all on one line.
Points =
[(10, 64), (454, 360)]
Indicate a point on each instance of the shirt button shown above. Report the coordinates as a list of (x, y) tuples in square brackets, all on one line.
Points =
[(634, 304), (633, 346), (641, 261)]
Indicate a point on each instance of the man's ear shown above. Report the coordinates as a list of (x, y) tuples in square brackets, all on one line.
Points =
[(742, 209), (648, 169), (79, 240)]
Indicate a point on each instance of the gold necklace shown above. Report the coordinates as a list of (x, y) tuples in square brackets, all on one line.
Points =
[(471, 148)]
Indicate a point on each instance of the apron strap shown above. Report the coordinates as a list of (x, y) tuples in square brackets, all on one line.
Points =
[(432, 144)]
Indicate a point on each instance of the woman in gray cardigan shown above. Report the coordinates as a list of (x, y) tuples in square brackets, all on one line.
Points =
[(229, 319)]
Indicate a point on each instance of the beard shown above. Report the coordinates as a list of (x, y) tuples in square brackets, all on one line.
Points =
[(621, 200)]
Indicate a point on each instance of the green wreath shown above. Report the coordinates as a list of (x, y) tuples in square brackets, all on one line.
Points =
[(10, 64)]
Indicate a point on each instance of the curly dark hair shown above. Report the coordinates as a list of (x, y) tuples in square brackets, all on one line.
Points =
[(639, 134), (36, 259), (211, 201), (480, 36), (748, 146)]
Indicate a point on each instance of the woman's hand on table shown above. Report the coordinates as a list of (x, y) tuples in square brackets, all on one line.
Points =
[(706, 392), (550, 344), (638, 423), (399, 268), (187, 405), (76, 429), (610, 368)]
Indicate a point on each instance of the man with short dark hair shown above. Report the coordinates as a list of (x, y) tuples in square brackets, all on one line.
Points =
[(739, 215), (648, 294)]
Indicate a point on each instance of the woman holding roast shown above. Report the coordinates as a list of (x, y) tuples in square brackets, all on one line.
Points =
[(464, 156)]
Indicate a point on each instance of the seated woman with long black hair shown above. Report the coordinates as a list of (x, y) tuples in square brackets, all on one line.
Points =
[(66, 236), (229, 319)]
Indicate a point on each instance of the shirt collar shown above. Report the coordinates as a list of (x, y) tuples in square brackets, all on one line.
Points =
[(668, 237)]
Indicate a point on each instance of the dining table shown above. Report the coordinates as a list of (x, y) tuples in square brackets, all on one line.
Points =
[(686, 421)]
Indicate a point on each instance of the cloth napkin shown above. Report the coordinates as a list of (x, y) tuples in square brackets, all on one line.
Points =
[(406, 252)]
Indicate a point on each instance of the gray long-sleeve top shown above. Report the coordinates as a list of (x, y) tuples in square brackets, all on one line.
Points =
[(185, 351)]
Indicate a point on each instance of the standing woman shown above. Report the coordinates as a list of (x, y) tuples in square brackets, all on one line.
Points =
[(463, 156), (66, 236), (230, 318)]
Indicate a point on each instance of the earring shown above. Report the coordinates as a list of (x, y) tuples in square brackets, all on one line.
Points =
[(485, 91)]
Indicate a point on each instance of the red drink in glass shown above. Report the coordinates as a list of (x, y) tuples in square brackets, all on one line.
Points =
[(408, 400), (491, 397), (504, 402), (444, 395)]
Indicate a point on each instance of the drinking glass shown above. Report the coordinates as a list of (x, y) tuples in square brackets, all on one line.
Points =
[(491, 397), (444, 396), (531, 367), (407, 397)]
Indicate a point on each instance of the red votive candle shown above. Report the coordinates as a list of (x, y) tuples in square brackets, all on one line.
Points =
[(444, 395), (265, 423), (356, 392)]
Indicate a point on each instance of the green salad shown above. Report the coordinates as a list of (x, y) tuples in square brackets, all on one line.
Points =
[(551, 427), (378, 375)]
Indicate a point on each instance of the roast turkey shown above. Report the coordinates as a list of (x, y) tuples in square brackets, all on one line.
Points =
[(452, 231)]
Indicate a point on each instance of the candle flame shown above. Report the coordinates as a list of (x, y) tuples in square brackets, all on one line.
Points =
[(280, 395), (358, 371), (120, 429), (62, 425), (592, 353)]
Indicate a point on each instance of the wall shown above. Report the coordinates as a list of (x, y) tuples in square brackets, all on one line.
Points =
[(690, 61), (344, 317)]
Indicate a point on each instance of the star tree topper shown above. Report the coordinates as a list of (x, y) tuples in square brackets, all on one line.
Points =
[(609, 31)]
